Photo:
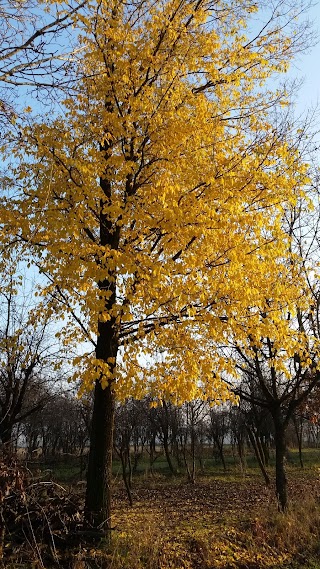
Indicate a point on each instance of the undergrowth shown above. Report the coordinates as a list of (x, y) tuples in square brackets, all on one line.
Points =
[(214, 524)]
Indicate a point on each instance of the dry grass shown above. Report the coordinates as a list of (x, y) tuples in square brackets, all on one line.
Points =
[(213, 525), (230, 523)]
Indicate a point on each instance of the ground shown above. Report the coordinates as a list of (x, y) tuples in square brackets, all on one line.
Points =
[(223, 521), (219, 523)]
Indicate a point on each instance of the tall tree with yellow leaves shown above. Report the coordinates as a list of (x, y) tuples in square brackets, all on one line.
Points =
[(153, 204)]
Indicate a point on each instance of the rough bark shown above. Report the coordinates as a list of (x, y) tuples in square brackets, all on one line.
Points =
[(99, 477)]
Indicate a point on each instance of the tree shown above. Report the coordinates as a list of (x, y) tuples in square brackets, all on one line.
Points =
[(37, 51), (153, 204), (123, 441), (278, 376), (238, 434), (193, 414), (27, 360), (33, 42), (218, 428)]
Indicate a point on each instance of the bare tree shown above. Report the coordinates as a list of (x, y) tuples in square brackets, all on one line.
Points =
[(279, 391), (217, 429), (194, 413), (37, 43), (38, 53), (27, 360)]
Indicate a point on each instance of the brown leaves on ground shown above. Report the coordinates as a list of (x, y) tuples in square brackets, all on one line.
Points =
[(220, 523)]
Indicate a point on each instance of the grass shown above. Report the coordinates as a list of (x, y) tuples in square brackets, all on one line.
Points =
[(188, 535), (71, 470), (227, 520), (216, 524)]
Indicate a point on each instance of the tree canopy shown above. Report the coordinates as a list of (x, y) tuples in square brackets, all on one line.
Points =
[(154, 202), (156, 199)]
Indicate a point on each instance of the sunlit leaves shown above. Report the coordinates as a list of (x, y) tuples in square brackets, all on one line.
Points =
[(171, 115)]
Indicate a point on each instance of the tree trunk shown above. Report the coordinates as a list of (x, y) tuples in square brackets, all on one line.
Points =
[(299, 433), (125, 458), (264, 451), (130, 473), (167, 453), (193, 456), (99, 477), (152, 450), (281, 478), (221, 454), (252, 440), (241, 453), (6, 438)]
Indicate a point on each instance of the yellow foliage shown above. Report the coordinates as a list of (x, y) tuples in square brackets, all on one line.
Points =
[(154, 202)]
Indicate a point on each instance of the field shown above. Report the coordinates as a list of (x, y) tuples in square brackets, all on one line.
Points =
[(225, 520)]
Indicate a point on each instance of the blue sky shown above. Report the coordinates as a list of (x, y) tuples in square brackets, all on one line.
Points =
[(307, 67)]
